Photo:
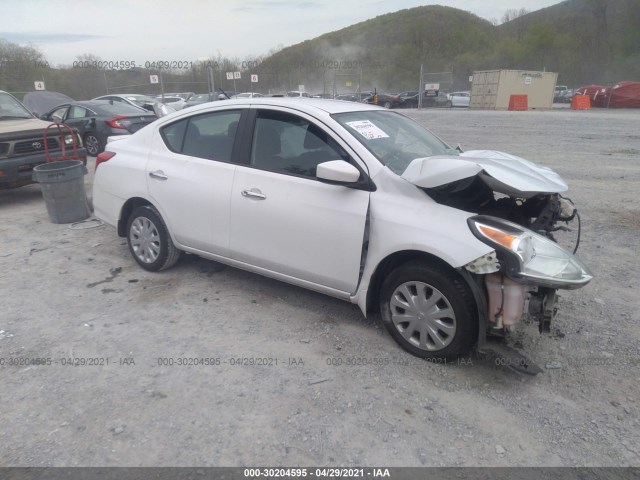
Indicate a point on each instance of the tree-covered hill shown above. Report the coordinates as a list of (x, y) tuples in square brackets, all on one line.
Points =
[(585, 41)]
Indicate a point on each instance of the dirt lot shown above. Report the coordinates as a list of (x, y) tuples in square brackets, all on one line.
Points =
[(70, 295)]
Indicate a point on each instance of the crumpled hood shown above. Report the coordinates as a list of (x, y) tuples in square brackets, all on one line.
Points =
[(501, 171)]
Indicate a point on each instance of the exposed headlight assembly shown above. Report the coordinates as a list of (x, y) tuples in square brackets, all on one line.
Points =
[(529, 257)]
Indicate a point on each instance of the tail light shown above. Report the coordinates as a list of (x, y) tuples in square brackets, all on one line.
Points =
[(103, 157), (117, 122)]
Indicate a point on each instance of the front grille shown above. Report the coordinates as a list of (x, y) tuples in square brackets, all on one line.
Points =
[(35, 145), (4, 148)]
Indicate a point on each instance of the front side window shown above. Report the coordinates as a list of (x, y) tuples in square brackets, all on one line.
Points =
[(393, 139), (58, 115), (210, 135), (289, 144)]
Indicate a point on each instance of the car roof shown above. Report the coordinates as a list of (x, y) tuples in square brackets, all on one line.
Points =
[(307, 104), (93, 104)]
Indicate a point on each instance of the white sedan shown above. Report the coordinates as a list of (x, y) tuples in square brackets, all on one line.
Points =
[(459, 99), (351, 200)]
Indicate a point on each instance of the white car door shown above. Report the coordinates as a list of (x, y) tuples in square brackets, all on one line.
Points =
[(286, 221), (190, 175)]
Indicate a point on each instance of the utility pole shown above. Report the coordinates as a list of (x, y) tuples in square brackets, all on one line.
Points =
[(212, 87), (420, 87)]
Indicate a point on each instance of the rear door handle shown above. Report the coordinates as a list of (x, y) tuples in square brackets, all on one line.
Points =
[(254, 193), (159, 174)]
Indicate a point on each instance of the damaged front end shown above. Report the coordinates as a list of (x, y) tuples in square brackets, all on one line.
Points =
[(519, 208)]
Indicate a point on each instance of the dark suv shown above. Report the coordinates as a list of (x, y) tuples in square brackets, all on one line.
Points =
[(22, 143)]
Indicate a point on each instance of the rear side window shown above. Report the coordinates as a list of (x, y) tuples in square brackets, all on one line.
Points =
[(209, 136)]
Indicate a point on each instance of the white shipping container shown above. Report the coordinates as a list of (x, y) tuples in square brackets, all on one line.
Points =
[(492, 89)]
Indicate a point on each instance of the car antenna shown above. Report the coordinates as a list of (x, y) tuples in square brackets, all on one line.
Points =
[(225, 94)]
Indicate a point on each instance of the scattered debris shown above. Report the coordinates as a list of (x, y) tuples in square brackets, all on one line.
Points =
[(86, 224), (320, 380), (500, 450), (5, 334), (553, 366)]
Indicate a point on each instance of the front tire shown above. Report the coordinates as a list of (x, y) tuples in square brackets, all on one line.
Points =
[(149, 241), (429, 311)]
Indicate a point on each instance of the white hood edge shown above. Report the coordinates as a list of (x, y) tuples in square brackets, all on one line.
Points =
[(502, 172)]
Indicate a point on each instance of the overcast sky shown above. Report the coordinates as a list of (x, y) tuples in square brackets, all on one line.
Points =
[(148, 30)]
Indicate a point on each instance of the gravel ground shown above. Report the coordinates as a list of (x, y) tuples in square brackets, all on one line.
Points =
[(76, 294)]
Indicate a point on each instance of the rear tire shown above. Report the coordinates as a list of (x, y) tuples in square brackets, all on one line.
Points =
[(429, 311), (149, 241)]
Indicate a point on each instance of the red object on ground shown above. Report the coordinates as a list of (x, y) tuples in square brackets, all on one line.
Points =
[(580, 102), (625, 95), (518, 102), (598, 94)]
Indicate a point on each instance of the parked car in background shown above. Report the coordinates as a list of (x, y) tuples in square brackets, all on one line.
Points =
[(411, 101), (559, 93), (41, 101), (322, 95), (355, 96), (175, 102), (441, 100), (22, 143), (201, 98), (248, 95), (141, 101), (354, 201), (95, 120), (565, 97), (459, 99), (385, 100), (296, 93), (184, 95)]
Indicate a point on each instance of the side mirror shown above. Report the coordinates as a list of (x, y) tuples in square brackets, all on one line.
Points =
[(337, 171)]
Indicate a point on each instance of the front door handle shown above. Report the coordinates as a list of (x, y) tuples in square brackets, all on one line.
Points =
[(254, 193), (158, 174)]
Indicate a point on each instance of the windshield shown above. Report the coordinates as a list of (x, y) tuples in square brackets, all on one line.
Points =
[(392, 138), (12, 109)]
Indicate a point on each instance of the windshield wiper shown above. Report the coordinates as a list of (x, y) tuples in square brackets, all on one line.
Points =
[(12, 117)]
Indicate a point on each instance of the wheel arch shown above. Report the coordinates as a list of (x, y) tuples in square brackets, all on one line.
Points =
[(473, 282), (394, 260), (128, 207)]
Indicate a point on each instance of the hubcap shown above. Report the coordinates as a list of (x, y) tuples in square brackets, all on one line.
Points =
[(92, 145), (145, 240), (423, 316)]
